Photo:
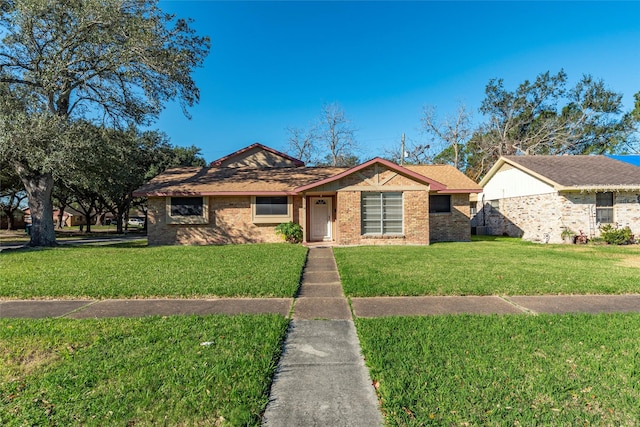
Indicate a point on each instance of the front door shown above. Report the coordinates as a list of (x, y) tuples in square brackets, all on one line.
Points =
[(321, 225)]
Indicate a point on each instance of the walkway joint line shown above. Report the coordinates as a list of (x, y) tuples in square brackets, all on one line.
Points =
[(79, 309), (525, 310)]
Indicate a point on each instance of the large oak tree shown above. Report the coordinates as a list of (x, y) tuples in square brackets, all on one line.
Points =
[(113, 61)]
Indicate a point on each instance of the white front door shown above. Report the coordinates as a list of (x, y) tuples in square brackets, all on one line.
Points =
[(321, 225)]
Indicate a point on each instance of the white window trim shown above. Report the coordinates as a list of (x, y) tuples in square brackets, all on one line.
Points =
[(271, 219), (382, 233), (193, 220)]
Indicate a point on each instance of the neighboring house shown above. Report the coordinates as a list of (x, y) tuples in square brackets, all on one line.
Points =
[(240, 198), (18, 220), (537, 197)]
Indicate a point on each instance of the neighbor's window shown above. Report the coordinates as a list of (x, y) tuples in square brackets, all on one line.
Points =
[(440, 204), (381, 213), (604, 208), (187, 210), (271, 209)]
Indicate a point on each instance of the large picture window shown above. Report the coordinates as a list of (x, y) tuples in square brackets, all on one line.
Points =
[(604, 208), (381, 213), (440, 203), (271, 209)]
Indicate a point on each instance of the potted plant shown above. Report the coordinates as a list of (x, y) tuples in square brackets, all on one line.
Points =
[(568, 235)]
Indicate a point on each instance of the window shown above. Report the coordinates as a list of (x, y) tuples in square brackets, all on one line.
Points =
[(271, 209), (440, 204), (381, 213), (186, 206), (604, 208), (272, 205), (187, 210)]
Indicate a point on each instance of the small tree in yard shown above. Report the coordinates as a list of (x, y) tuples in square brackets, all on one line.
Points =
[(115, 61)]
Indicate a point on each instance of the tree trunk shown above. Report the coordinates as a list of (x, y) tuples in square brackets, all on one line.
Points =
[(119, 217), (100, 218), (61, 216), (10, 221), (39, 187)]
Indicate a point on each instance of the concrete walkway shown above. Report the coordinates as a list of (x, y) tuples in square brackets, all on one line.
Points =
[(321, 378)]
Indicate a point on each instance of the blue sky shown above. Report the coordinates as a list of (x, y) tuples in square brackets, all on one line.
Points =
[(272, 65)]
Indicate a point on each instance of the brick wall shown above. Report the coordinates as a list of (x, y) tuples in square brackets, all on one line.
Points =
[(454, 226), (416, 221), (229, 222), (542, 218)]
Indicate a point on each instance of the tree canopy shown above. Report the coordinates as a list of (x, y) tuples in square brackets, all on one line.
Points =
[(114, 62), (544, 116), (330, 141)]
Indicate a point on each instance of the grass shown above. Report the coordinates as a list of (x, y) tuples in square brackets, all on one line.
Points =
[(146, 371), (505, 370), (489, 267), (135, 270)]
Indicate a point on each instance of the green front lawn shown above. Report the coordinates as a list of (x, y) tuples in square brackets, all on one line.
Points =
[(546, 370), (136, 270), (187, 371), (488, 267)]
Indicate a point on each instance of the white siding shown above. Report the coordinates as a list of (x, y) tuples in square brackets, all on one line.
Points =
[(511, 182)]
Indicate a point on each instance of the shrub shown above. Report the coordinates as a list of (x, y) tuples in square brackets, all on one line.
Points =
[(290, 231), (616, 236)]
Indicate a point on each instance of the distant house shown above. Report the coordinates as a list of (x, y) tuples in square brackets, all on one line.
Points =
[(241, 197), (18, 220), (537, 197)]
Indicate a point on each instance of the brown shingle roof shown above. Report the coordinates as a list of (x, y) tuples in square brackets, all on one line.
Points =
[(209, 181), (215, 180), (448, 175), (581, 171)]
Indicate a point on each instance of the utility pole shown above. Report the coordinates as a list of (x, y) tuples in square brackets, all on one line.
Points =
[(402, 151)]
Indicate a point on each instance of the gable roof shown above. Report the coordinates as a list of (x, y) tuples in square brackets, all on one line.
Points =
[(574, 172), (240, 156), (433, 184), (219, 179), (454, 180)]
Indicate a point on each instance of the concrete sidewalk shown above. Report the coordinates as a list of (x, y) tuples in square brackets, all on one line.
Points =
[(321, 378), (86, 309), (318, 302)]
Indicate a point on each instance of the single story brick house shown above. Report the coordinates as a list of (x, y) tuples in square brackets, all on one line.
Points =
[(537, 197), (241, 197)]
